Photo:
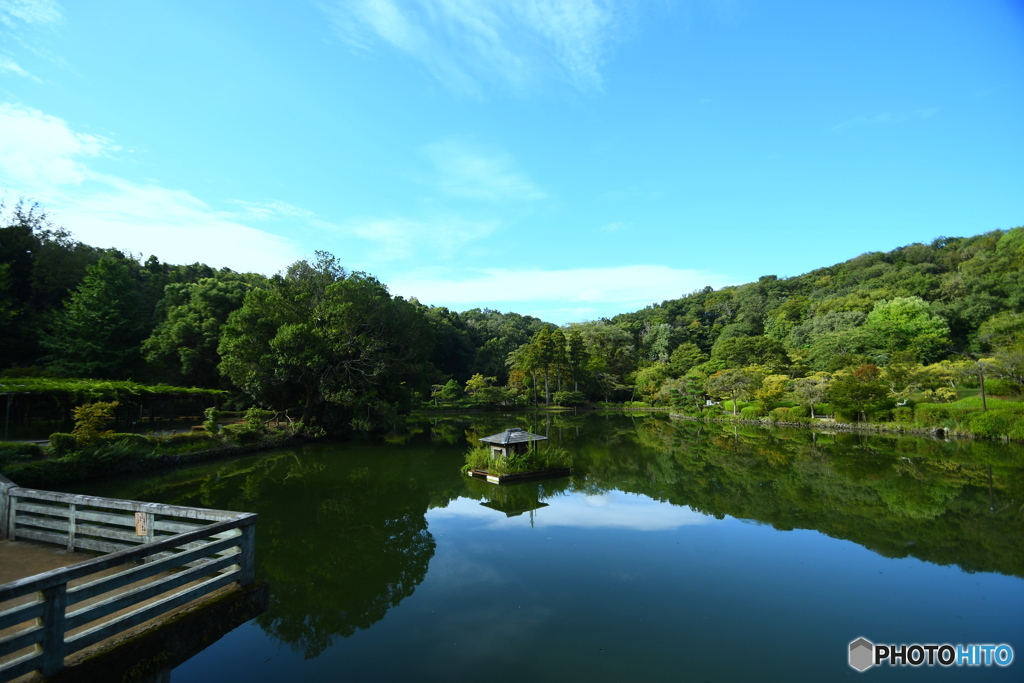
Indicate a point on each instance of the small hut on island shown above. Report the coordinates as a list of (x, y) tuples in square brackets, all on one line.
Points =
[(515, 441), (512, 440)]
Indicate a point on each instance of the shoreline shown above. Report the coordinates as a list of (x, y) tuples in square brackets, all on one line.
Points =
[(58, 471), (937, 433)]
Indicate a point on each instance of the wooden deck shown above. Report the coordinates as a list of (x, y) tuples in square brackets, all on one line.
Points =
[(142, 562)]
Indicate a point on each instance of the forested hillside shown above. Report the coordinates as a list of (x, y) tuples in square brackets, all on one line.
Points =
[(869, 335)]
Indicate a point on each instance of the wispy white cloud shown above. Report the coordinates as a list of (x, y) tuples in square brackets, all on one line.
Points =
[(43, 158), (402, 238), (889, 117), (465, 44), (8, 65), (616, 226), (604, 291), (40, 151), (270, 210), (13, 12), (462, 170), (612, 510)]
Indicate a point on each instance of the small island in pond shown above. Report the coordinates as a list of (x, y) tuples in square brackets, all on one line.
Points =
[(513, 455)]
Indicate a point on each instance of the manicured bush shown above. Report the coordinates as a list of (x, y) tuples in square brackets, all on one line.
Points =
[(1017, 430), (903, 414), (241, 434), (62, 443), (799, 411), (134, 440), (779, 414), (991, 423), (21, 449), (1001, 387), (751, 413)]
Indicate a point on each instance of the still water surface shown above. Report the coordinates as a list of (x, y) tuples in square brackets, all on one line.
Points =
[(676, 551)]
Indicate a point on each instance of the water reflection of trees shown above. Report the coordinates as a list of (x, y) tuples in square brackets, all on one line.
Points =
[(341, 539), (898, 496), (342, 535)]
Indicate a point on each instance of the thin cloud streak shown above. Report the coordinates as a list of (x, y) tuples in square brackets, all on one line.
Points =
[(888, 118), (30, 12), (462, 170), (466, 44), (603, 291)]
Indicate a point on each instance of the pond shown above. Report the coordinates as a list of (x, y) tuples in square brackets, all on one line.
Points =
[(676, 551)]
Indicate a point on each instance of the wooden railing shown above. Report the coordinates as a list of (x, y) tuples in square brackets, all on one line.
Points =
[(164, 556)]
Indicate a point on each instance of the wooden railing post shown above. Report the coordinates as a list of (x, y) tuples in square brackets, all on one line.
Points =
[(247, 561), (5, 502), (55, 601), (71, 528), (12, 513)]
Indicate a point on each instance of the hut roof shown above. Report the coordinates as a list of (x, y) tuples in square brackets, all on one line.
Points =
[(513, 435)]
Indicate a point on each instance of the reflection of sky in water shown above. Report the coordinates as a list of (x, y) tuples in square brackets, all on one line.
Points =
[(611, 510)]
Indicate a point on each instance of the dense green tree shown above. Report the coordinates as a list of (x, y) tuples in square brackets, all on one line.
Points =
[(742, 351), (908, 324), (186, 340), (686, 356), (330, 342), (859, 392), (41, 265), (99, 330), (811, 390), (732, 384)]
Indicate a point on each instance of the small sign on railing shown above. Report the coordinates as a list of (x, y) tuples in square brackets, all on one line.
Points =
[(141, 528)]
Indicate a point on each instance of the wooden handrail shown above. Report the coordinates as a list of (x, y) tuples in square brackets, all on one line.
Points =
[(205, 548)]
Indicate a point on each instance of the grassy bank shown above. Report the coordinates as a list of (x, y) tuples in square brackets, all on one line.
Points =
[(50, 466), (999, 419)]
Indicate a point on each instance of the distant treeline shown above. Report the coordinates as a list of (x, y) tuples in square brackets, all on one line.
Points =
[(340, 351)]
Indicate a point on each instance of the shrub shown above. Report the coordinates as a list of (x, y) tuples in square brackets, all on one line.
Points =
[(241, 434), (779, 414), (90, 419), (1017, 430), (798, 412), (21, 449), (256, 419), (1001, 387), (750, 413), (210, 423), (903, 414), (569, 398), (823, 409), (713, 412), (991, 423), (134, 440), (62, 443)]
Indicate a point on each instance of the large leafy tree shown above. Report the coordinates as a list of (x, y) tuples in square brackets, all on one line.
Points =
[(908, 324), (185, 341), (99, 330), (332, 343), (860, 392)]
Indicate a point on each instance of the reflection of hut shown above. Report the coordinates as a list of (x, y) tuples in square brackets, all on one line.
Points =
[(512, 440), (512, 509)]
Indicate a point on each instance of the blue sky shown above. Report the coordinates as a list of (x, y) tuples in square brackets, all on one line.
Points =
[(569, 159)]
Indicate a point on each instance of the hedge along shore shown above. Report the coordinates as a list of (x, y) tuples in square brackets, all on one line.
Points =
[(57, 471), (867, 428)]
